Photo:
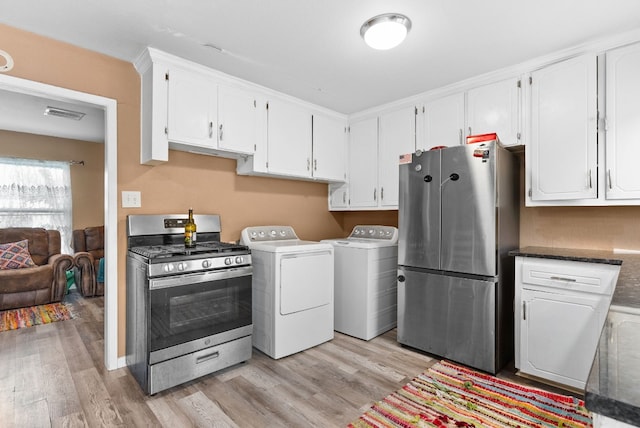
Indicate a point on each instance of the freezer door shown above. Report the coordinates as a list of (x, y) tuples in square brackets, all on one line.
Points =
[(469, 210), (448, 316), (419, 211)]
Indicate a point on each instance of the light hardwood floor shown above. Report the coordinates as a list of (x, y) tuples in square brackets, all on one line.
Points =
[(53, 375)]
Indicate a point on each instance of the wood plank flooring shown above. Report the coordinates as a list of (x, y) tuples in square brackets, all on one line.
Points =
[(53, 376)]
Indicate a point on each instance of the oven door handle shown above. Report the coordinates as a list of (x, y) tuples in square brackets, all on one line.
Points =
[(199, 277)]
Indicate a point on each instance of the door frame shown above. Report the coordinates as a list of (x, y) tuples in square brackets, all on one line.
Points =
[(109, 106)]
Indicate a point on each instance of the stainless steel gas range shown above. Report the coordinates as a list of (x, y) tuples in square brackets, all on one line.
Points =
[(188, 309)]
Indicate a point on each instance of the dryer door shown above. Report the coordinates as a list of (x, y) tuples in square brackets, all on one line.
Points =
[(306, 281)]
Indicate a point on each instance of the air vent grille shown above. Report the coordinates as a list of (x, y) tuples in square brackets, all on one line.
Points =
[(61, 112)]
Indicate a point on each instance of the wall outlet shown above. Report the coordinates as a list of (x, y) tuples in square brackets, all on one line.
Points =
[(131, 199)]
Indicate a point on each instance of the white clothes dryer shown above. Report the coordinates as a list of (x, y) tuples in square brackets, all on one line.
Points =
[(292, 290), (366, 265)]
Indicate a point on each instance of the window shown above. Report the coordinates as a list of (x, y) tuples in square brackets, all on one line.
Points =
[(36, 193)]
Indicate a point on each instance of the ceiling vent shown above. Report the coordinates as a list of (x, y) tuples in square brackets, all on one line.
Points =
[(60, 112)]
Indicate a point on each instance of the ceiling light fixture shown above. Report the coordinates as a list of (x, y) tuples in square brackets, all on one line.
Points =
[(61, 112), (385, 31)]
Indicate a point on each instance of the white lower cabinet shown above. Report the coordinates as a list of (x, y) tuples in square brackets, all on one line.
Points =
[(559, 335), (560, 309)]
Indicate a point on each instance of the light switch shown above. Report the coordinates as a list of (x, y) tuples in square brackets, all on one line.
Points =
[(131, 199)]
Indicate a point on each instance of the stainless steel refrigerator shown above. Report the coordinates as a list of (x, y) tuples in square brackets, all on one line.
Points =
[(458, 219)]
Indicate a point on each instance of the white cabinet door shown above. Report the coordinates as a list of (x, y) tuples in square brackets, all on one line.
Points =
[(623, 123), (363, 163), (289, 139), (192, 115), (237, 120), (443, 122), (559, 334), (564, 130), (396, 137), (338, 196), (329, 148), (495, 108)]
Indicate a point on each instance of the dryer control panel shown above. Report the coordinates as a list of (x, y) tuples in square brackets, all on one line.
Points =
[(267, 233), (380, 233)]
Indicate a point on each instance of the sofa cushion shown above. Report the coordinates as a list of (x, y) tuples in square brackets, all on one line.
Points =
[(38, 241), (94, 238), (15, 255)]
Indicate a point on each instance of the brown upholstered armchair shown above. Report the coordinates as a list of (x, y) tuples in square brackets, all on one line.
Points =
[(88, 245), (46, 281)]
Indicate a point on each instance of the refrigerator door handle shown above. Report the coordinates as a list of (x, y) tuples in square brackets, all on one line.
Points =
[(452, 177)]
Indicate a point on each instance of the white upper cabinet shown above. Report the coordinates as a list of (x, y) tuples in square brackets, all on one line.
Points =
[(338, 196), (363, 163), (396, 137), (623, 123), (288, 139), (238, 120), (495, 108), (329, 148), (441, 122), (562, 154), (192, 108)]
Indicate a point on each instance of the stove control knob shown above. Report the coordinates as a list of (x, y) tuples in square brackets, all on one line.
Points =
[(228, 261), (206, 264), (168, 267), (181, 266), (239, 260), (274, 233)]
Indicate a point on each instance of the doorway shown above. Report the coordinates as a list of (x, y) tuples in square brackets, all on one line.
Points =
[(109, 106)]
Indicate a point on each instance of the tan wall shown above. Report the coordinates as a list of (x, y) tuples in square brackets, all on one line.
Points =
[(600, 228), (87, 181)]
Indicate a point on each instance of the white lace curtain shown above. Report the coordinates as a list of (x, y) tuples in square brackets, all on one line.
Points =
[(36, 193)]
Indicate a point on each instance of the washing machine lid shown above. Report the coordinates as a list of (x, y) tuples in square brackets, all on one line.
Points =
[(359, 243), (291, 246)]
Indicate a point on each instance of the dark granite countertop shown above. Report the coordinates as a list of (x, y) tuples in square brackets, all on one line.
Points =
[(613, 386)]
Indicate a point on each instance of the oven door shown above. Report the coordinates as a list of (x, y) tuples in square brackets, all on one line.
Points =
[(192, 306)]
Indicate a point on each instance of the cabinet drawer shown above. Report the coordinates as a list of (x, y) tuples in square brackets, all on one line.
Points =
[(569, 275)]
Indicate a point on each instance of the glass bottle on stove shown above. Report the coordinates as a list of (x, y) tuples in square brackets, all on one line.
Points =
[(190, 231)]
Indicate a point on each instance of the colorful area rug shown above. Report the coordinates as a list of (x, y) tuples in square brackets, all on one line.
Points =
[(14, 319), (448, 395)]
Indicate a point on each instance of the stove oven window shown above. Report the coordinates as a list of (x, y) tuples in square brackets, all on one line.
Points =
[(188, 312)]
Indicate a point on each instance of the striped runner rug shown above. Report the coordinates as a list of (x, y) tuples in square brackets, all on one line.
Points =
[(14, 319), (448, 395)]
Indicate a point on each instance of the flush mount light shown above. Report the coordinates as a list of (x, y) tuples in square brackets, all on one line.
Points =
[(385, 31), (61, 112)]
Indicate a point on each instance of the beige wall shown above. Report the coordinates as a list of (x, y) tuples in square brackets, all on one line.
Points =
[(87, 181)]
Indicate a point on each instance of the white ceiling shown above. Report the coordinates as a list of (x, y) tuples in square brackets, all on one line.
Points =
[(312, 49), (25, 113)]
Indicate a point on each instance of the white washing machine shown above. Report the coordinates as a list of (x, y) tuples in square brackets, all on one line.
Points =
[(366, 265), (292, 288)]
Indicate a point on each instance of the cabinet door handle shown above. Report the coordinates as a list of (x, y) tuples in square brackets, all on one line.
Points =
[(382, 193), (524, 311), (308, 164), (344, 198), (561, 278), (374, 194), (220, 133), (460, 135), (609, 176), (315, 164), (469, 131), (589, 183), (210, 129)]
